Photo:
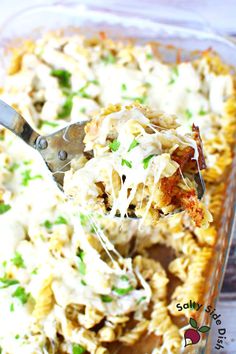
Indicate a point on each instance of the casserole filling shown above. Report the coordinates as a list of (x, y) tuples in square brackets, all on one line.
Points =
[(140, 166)]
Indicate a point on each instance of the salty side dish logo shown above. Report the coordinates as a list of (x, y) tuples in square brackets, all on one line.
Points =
[(192, 335)]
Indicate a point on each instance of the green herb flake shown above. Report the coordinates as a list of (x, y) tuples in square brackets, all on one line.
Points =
[(81, 264), (175, 74), (4, 208), (12, 308), (83, 282), (202, 112), (82, 110), (106, 298), (133, 145), (143, 298), (84, 219), (95, 82), (18, 260), (146, 161), (141, 100), (126, 163), (17, 336), (4, 264), (149, 56), (114, 145), (13, 167), (63, 76), (171, 82), (123, 87), (109, 59), (175, 71), (7, 282), (34, 271), (61, 221), (48, 123), (48, 224), (78, 349), (27, 162), (122, 291), (27, 177), (66, 108), (21, 295), (188, 114)]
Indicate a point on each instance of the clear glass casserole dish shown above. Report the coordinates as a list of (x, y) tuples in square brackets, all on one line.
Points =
[(124, 25)]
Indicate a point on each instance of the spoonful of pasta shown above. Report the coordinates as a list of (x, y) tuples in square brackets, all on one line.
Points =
[(127, 161)]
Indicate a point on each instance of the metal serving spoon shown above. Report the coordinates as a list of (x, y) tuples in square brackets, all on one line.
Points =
[(59, 148)]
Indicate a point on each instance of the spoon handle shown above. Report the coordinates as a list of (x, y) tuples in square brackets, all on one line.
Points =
[(13, 121)]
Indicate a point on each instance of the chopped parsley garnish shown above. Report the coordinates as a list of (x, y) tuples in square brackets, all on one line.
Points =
[(109, 59), (133, 145), (35, 271), (66, 107), (124, 277), (83, 219), (61, 220), (94, 228), (126, 163), (175, 71), (188, 114), (21, 295), (143, 298), (122, 291), (64, 77), (27, 162), (82, 92), (7, 282), (48, 123), (146, 161), (82, 110), (123, 87), (83, 282), (48, 224), (106, 298), (202, 112), (12, 308), (175, 74), (149, 56), (141, 100), (4, 208), (78, 349), (17, 336), (171, 82), (114, 145), (18, 261), (81, 264), (95, 82), (13, 167), (27, 177)]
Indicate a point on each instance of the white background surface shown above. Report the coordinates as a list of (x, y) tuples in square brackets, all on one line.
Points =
[(219, 16)]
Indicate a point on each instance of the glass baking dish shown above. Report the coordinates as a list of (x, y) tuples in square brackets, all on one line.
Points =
[(166, 26)]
